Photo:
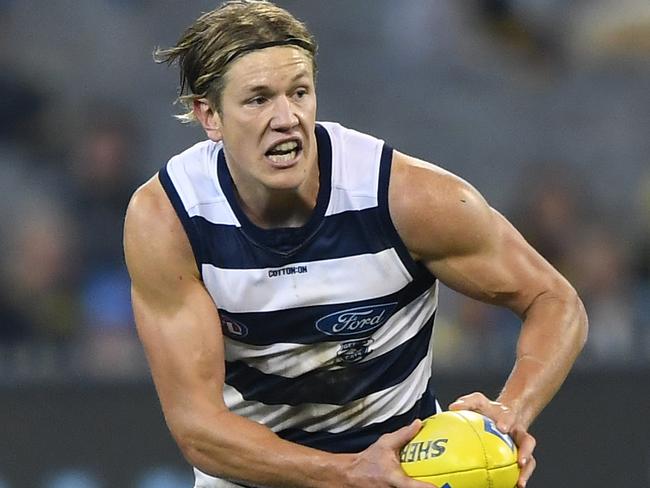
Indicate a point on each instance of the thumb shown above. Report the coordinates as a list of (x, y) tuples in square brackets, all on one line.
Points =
[(397, 439)]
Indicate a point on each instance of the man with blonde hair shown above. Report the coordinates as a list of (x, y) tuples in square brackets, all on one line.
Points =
[(285, 277)]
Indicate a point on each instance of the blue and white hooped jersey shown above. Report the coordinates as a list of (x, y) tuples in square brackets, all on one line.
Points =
[(328, 328)]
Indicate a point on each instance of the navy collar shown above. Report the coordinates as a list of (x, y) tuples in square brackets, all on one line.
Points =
[(284, 240)]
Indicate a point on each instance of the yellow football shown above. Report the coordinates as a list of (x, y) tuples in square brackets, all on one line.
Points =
[(461, 449)]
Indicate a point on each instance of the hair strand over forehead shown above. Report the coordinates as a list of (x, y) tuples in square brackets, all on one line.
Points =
[(218, 37)]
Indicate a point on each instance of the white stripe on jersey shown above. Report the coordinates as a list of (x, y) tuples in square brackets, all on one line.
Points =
[(292, 360), (376, 407), (354, 186), (200, 195), (217, 212), (203, 480), (325, 282)]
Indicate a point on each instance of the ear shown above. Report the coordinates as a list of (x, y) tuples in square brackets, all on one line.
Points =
[(208, 117)]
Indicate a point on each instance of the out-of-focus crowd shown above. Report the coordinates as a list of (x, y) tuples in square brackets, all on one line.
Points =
[(66, 176), (64, 295)]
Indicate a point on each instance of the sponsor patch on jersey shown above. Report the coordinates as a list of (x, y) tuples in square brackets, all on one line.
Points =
[(353, 351), (355, 321), (232, 328), (289, 270)]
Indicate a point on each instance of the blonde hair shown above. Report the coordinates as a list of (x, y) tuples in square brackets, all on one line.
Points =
[(206, 48)]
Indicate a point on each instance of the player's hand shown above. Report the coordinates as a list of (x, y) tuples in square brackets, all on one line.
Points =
[(506, 420), (378, 466)]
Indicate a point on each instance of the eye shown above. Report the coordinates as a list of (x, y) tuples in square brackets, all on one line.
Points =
[(257, 101), (300, 93)]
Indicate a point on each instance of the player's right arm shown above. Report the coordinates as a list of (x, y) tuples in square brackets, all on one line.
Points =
[(179, 327)]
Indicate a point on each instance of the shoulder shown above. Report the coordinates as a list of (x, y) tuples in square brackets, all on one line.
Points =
[(436, 213), (155, 244), (149, 211)]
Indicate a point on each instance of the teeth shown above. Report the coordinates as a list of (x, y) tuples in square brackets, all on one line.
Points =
[(282, 158), (286, 146)]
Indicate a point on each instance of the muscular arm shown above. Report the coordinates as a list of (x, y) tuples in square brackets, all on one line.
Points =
[(476, 251), (179, 327)]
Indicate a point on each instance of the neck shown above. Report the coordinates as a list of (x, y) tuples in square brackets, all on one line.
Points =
[(273, 208)]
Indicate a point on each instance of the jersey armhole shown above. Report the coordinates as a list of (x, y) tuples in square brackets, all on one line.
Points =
[(416, 268), (186, 221)]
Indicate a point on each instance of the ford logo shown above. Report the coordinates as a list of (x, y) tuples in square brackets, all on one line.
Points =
[(355, 320)]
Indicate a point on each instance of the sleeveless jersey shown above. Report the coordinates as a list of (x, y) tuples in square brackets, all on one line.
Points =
[(328, 327)]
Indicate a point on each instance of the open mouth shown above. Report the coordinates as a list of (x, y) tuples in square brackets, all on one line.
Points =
[(284, 152)]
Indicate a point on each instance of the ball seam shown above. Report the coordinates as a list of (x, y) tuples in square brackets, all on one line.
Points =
[(480, 441)]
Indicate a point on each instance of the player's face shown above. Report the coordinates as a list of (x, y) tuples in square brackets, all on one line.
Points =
[(268, 117)]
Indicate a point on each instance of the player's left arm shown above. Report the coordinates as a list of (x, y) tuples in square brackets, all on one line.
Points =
[(469, 246)]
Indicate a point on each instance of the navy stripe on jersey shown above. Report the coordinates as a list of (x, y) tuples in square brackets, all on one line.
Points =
[(332, 386), (229, 248), (188, 223), (356, 440), (297, 325), (388, 226)]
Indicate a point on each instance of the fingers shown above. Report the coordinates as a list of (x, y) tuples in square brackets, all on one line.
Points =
[(474, 401), (477, 402), (466, 401), (506, 421), (380, 461), (396, 440), (526, 471), (411, 483), (403, 481), (526, 445)]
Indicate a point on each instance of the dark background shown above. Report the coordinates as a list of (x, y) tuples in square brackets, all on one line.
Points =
[(595, 433), (543, 105)]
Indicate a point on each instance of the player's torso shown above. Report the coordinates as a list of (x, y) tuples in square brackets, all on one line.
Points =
[(328, 327)]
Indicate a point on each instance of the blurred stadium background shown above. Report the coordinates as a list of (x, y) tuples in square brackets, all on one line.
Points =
[(543, 105)]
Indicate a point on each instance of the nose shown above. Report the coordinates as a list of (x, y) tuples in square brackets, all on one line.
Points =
[(284, 114)]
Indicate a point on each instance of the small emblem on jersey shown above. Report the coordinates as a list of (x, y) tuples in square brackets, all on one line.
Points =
[(492, 429), (355, 320), (354, 351), (289, 270), (232, 328)]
